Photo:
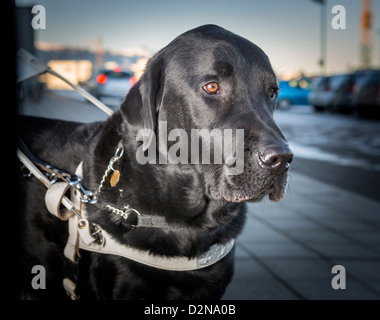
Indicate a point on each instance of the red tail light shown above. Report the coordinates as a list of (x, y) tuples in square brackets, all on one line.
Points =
[(132, 81), (101, 79)]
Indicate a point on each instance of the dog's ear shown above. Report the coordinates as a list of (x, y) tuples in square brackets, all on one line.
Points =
[(141, 105), (150, 85)]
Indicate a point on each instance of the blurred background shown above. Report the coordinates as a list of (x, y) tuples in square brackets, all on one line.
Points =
[(328, 65), (83, 40)]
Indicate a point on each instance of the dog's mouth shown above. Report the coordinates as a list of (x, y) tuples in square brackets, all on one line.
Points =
[(276, 190), (276, 194)]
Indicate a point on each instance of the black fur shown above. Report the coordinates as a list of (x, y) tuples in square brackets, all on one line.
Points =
[(202, 197)]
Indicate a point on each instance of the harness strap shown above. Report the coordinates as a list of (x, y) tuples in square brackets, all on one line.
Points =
[(33, 169), (71, 250), (58, 198), (55, 196), (43, 165), (178, 263), (155, 222), (80, 229)]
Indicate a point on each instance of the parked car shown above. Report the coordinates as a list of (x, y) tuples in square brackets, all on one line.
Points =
[(367, 93), (344, 93), (321, 95), (110, 83), (293, 92), (335, 92)]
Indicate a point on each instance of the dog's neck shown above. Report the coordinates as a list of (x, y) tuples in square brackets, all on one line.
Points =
[(176, 193)]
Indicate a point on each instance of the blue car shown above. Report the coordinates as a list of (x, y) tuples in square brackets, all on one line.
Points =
[(293, 92)]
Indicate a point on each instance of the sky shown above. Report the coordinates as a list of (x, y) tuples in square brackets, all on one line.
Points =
[(287, 30)]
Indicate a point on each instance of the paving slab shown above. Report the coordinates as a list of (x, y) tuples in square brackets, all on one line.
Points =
[(253, 282), (287, 249)]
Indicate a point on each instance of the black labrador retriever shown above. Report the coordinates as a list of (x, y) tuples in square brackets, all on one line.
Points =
[(207, 78)]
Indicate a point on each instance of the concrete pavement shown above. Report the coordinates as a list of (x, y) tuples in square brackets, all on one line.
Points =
[(287, 249)]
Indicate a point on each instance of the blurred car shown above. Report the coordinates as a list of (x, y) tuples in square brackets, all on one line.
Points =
[(367, 93), (110, 83), (335, 92), (293, 92), (344, 92), (321, 96)]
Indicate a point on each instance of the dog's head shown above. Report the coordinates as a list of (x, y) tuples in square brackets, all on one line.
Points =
[(215, 87)]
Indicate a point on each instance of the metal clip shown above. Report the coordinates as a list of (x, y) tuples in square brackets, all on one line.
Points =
[(118, 154), (119, 151), (74, 181), (87, 196), (52, 176)]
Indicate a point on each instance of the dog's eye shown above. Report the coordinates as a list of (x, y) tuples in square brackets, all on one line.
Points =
[(211, 87), (273, 92)]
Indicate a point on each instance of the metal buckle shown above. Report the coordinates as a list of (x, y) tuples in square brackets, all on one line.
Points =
[(96, 232), (87, 229), (128, 212), (53, 177)]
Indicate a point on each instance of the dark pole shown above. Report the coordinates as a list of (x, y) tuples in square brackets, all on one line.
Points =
[(323, 35), (378, 33)]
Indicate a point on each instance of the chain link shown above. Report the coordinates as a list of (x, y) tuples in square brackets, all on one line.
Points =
[(127, 210), (118, 154)]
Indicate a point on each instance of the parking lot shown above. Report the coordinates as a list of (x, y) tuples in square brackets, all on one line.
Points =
[(330, 215), (343, 150)]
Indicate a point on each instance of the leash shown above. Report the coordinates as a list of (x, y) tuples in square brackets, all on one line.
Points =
[(58, 189), (29, 66)]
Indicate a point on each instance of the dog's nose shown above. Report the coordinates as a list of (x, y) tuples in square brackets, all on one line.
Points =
[(276, 157)]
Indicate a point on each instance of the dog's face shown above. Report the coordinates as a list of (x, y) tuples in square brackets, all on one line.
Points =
[(211, 79)]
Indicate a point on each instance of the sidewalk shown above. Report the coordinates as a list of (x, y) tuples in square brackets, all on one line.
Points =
[(287, 249)]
